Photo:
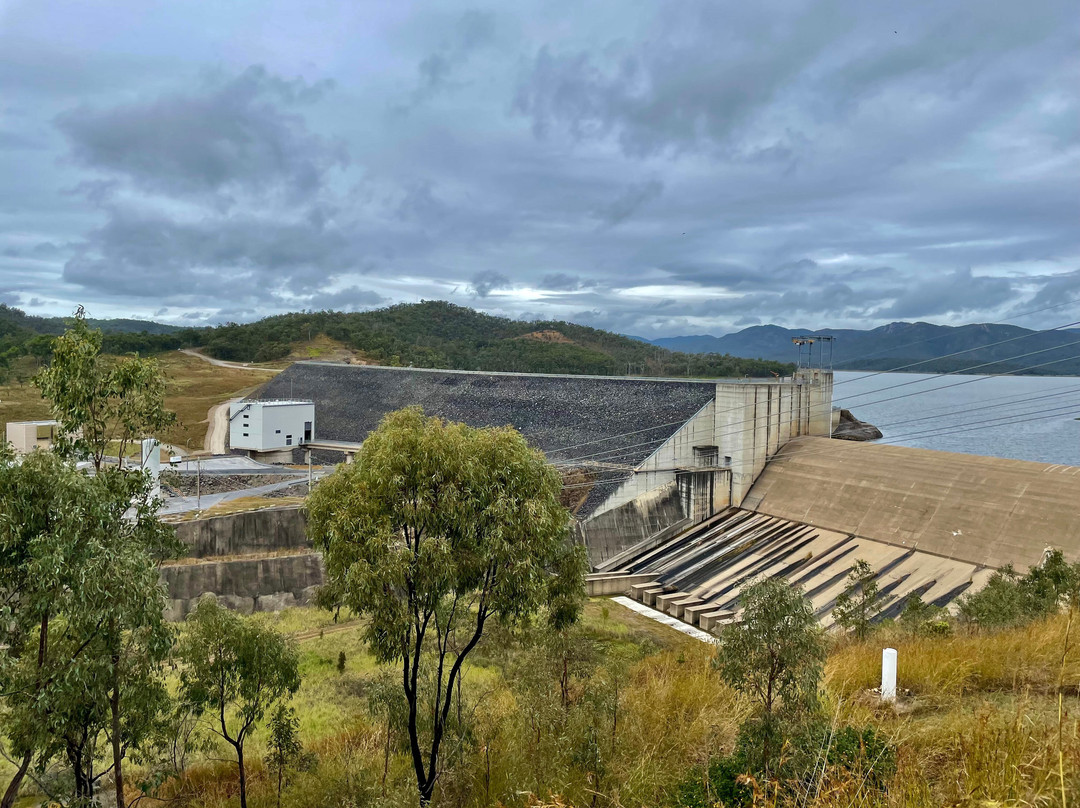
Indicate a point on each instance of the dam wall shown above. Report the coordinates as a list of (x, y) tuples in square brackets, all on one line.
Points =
[(252, 561)]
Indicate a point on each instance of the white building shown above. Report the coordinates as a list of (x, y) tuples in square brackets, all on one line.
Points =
[(271, 426), (25, 436)]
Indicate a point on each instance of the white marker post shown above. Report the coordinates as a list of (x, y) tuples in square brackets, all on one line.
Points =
[(888, 674), (151, 461)]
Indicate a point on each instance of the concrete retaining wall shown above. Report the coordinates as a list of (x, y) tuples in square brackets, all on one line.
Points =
[(247, 585), (613, 531), (257, 580), (242, 533)]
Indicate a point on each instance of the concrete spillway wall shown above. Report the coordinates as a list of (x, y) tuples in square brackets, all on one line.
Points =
[(253, 561), (261, 531), (984, 510)]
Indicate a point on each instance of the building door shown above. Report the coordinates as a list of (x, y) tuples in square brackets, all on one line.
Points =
[(307, 431), (703, 482)]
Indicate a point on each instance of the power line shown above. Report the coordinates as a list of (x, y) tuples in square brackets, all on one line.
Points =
[(856, 395), (610, 455), (958, 353)]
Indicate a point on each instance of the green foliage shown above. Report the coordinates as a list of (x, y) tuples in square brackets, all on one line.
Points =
[(924, 618), (234, 669), (1010, 598), (81, 628), (284, 753), (716, 785), (98, 400), (775, 655), (439, 334), (433, 531), (857, 605), (341, 662), (864, 754)]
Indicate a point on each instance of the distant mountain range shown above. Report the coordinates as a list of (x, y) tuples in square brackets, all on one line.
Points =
[(1002, 348)]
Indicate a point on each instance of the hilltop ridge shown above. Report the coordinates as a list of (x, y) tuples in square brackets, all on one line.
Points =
[(1006, 348)]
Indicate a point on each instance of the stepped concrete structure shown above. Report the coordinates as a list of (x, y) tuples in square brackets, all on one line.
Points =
[(931, 524)]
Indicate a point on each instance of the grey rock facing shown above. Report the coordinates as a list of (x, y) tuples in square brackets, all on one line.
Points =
[(258, 561), (246, 585), (851, 428), (262, 531)]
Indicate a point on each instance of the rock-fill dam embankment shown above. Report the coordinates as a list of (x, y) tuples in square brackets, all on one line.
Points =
[(253, 561)]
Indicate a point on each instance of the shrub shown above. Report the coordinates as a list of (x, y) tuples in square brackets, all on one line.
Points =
[(719, 783), (1009, 599), (865, 754)]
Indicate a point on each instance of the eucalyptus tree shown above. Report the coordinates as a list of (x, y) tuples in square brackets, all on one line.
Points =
[(234, 669), (81, 627), (859, 603), (434, 531), (775, 654), (98, 399)]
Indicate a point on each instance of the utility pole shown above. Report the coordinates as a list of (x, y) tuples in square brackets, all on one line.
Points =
[(198, 483)]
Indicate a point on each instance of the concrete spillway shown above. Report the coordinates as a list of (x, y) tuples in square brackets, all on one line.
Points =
[(985, 510)]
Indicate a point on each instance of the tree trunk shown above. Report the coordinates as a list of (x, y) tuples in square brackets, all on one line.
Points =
[(427, 788), (114, 709), (13, 787), (16, 781), (118, 756), (75, 758), (243, 775)]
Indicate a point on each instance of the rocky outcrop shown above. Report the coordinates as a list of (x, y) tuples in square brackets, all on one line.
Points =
[(851, 428)]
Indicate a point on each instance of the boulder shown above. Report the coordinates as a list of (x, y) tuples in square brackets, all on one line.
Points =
[(851, 428)]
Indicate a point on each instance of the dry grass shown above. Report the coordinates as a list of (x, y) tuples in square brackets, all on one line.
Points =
[(237, 505), (942, 670), (194, 386)]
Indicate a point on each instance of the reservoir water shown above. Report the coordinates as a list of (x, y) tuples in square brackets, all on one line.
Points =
[(1020, 417)]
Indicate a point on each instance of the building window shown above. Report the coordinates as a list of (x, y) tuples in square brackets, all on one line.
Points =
[(277, 431), (706, 456), (288, 440), (245, 434)]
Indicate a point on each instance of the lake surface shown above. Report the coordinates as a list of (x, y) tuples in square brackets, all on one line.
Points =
[(1021, 417)]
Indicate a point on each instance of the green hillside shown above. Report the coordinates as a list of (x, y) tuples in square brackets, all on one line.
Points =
[(440, 334)]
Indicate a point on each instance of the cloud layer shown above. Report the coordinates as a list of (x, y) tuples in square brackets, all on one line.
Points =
[(657, 169)]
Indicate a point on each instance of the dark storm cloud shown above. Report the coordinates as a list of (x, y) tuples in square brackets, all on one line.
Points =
[(484, 283), (561, 282), (629, 201), (956, 292), (654, 168), (235, 132)]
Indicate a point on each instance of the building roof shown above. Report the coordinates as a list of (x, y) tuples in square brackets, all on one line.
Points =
[(280, 402), (568, 417), (985, 510)]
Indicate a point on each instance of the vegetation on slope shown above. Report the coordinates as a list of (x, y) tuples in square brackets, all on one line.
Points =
[(439, 334), (428, 334)]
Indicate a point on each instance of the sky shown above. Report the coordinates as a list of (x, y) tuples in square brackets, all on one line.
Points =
[(653, 168)]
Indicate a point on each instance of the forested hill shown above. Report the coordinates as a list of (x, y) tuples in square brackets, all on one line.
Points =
[(23, 334), (431, 334), (999, 348), (439, 334)]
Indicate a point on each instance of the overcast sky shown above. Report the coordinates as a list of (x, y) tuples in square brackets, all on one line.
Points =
[(653, 168)]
